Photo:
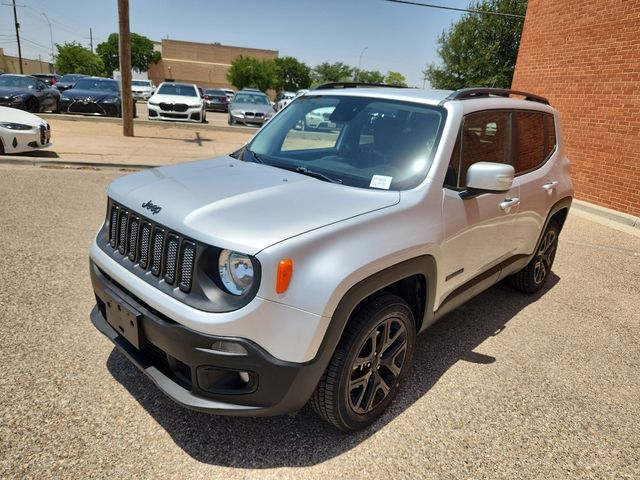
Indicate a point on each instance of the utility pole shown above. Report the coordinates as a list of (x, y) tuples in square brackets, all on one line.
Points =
[(15, 18), (125, 68), (91, 39)]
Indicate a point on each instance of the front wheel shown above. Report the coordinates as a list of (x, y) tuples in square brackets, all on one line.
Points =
[(372, 357), (533, 277)]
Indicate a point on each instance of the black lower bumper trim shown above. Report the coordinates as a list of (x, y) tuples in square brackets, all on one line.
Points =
[(174, 357)]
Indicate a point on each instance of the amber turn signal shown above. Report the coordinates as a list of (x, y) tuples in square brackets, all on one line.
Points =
[(285, 269)]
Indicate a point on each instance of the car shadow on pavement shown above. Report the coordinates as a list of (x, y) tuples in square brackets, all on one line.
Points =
[(304, 439), (38, 153)]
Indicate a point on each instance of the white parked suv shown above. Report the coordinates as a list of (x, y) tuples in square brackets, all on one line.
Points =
[(177, 101), (301, 267)]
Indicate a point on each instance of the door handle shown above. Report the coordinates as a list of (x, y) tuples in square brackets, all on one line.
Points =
[(549, 186), (509, 203)]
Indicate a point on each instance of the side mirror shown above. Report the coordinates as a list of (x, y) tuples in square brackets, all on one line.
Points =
[(489, 177)]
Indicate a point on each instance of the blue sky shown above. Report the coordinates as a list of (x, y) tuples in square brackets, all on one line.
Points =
[(398, 37)]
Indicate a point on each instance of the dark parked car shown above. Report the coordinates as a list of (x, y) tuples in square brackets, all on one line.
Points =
[(49, 79), (67, 81), (216, 100), (27, 93), (93, 96)]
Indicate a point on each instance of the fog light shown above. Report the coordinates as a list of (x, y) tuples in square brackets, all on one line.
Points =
[(228, 348), (244, 376)]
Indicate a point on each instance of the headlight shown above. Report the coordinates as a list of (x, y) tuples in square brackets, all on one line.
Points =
[(195, 106), (110, 100), (236, 271), (15, 126), (154, 104), (237, 113), (17, 98), (65, 99)]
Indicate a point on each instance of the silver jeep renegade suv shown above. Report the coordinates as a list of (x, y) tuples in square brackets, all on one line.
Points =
[(301, 267)]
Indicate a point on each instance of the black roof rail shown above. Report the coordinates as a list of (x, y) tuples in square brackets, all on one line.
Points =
[(475, 92), (338, 85)]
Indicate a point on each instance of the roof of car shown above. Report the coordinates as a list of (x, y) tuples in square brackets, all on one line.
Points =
[(432, 97)]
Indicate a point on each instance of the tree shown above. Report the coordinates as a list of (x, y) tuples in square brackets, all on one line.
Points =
[(395, 78), (480, 49), (251, 72), (142, 53), (74, 58), (367, 76), (331, 72), (291, 74)]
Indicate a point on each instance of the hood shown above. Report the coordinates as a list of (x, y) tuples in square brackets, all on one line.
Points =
[(95, 95), (242, 206), (175, 99), (251, 107), (14, 115)]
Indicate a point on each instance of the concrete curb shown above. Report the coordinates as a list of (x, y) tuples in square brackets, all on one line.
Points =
[(44, 162), (607, 213), (141, 121)]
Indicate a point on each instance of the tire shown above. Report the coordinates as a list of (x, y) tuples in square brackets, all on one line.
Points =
[(56, 107), (231, 121), (33, 105), (361, 381), (1, 148), (204, 117), (533, 277)]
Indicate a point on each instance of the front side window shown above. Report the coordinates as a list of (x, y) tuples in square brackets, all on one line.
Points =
[(485, 138), (357, 141)]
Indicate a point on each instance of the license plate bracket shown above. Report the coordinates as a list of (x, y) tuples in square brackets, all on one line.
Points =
[(123, 318)]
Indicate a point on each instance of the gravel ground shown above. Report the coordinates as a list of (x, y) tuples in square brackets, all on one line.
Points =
[(508, 386)]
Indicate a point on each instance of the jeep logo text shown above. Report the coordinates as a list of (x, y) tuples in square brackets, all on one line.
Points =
[(153, 208)]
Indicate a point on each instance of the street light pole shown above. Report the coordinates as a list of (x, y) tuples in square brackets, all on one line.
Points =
[(15, 19), (360, 60), (53, 57)]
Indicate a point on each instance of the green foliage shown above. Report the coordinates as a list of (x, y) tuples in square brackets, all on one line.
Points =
[(331, 72), (395, 78), (291, 75), (479, 50), (251, 72), (142, 53), (367, 76), (74, 58)]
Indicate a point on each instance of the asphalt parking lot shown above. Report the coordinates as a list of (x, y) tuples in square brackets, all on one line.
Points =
[(508, 386)]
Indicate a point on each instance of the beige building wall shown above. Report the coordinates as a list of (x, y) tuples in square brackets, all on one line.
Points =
[(10, 64), (203, 64)]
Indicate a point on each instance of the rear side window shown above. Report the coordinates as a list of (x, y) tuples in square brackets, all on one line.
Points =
[(534, 135)]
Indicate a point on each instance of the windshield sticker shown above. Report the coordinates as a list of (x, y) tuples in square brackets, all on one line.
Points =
[(380, 181)]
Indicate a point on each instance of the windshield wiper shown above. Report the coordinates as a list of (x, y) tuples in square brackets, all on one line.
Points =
[(255, 158), (318, 175)]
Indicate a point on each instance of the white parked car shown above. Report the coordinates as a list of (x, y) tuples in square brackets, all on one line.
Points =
[(283, 99), (22, 131), (177, 101), (142, 89)]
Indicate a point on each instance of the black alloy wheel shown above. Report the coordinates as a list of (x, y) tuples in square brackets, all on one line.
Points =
[(533, 277), (368, 365), (33, 105)]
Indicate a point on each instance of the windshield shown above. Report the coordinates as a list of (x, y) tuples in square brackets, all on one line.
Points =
[(182, 90), (140, 83), (358, 141), (70, 78), (17, 82), (251, 98), (97, 85)]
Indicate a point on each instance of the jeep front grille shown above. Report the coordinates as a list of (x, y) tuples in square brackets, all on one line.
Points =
[(151, 247)]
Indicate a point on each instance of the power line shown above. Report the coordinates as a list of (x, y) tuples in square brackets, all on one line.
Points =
[(482, 12)]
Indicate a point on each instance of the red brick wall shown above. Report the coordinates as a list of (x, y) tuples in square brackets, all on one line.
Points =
[(584, 55)]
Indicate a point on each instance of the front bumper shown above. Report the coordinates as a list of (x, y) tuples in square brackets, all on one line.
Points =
[(17, 141), (90, 108), (182, 364), (190, 115), (249, 118)]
